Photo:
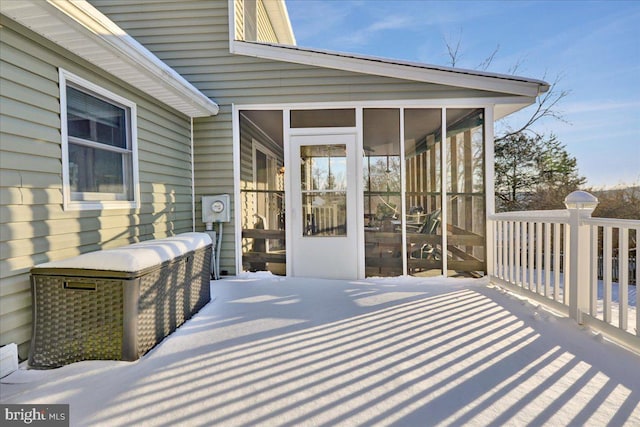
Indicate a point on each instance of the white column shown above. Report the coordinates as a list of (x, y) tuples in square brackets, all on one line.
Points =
[(580, 205), (443, 189), (489, 190)]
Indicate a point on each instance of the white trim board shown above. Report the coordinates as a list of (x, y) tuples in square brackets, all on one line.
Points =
[(510, 85), (503, 105)]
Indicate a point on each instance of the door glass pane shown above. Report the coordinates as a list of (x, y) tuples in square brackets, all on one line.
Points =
[(323, 172)]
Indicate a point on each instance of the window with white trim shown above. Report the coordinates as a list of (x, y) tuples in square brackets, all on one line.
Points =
[(99, 146)]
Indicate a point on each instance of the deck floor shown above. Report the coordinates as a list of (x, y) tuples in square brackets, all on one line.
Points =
[(406, 351)]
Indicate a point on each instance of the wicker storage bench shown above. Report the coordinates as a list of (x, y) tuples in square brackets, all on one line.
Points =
[(117, 304)]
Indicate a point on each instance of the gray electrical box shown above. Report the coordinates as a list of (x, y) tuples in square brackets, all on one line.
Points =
[(216, 208)]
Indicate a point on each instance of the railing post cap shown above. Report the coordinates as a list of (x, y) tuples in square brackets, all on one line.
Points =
[(581, 200)]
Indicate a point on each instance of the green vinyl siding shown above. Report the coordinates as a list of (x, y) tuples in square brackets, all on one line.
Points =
[(34, 227), (265, 29)]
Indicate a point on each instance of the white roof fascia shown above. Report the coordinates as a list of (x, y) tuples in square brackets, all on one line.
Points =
[(279, 17), (505, 107), (396, 69), (80, 28)]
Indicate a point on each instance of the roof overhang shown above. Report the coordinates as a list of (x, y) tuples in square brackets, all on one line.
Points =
[(502, 107), (471, 79), (82, 29)]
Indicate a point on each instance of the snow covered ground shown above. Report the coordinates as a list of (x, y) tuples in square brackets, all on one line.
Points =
[(399, 351)]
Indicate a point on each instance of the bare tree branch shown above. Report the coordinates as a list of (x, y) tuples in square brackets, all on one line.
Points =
[(489, 59), (453, 50), (545, 108), (546, 103), (515, 67)]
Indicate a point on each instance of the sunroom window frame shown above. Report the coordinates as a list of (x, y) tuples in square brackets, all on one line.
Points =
[(99, 200)]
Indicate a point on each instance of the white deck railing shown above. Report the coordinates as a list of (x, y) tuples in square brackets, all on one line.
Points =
[(555, 257)]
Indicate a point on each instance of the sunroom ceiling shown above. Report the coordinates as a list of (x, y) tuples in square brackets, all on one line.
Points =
[(80, 28)]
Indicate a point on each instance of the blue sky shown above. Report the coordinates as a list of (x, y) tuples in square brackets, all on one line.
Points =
[(592, 46)]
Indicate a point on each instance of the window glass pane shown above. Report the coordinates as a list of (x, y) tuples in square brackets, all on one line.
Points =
[(93, 119), (98, 171), (323, 118)]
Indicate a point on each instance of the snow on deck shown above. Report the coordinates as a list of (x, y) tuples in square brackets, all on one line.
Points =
[(135, 257), (402, 351)]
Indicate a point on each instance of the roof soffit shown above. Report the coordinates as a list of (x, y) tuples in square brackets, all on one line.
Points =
[(80, 28)]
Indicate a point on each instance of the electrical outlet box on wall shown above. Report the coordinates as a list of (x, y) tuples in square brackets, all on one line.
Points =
[(216, 208)]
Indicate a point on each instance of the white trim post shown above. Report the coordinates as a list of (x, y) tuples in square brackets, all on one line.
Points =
[(580, 205), (489, 188), (444, 180)]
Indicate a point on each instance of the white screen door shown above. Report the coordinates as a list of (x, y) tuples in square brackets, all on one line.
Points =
[(323, 212)]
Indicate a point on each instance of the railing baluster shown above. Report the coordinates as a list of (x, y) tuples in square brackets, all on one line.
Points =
[(517, 252), (523, 253), (538, 264), (593, 282), (494, 247), (505, 251), (511, 252), (606, 259), (530, 252), (566, 264), (623, 276), (547, 259), (556, 261), (500, 242)]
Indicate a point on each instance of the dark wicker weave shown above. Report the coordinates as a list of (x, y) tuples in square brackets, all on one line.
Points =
[(110, 315)]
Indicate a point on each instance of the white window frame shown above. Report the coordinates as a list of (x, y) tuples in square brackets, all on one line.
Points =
[(255, 147), (97, 201), (271, 161)]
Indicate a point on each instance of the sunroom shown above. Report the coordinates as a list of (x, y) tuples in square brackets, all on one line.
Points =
[(353, 190)]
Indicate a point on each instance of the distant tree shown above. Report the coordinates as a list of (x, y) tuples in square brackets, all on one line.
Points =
[(533, 173), (558, 175), (623, 203), (516, 171)]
